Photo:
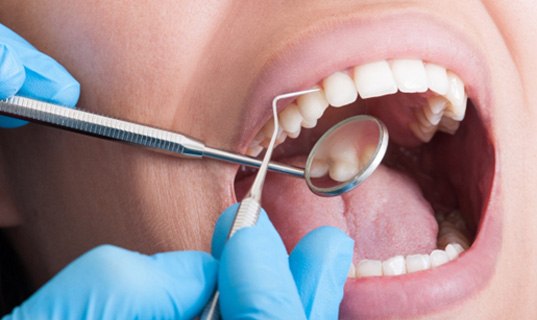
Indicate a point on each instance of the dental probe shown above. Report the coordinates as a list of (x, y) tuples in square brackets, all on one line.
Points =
[(125, 131), (250, 206)]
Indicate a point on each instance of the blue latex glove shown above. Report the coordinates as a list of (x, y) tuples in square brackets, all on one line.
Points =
[(113, 283), (257, 279), (27, 72)]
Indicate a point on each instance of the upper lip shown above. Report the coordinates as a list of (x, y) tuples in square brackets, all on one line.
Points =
[(338, 43)]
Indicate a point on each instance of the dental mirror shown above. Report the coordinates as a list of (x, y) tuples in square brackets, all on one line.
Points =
[(346, 155)]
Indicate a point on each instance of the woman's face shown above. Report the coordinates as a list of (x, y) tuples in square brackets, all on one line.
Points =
[(210, 69)]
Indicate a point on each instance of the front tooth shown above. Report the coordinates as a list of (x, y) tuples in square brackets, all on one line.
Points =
[(394, 266), (339, 89), (409, 75), (457, 98), (312, 105), (417, 262), (369, 268), (374, 79), (438, 258), (291, 119), (437, 78)]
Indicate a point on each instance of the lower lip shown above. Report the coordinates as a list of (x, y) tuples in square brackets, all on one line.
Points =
[(433, 290)]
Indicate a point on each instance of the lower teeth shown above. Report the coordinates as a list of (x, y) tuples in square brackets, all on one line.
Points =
[(452, 236)]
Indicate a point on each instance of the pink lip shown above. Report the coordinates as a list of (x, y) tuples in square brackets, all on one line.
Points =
[(338, 44)]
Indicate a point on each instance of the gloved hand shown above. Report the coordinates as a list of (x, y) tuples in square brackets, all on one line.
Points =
[(27, 72), (113, 283), (257, 279)]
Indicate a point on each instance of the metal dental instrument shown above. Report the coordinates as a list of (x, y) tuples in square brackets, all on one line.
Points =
[(365, 135), (125, 131), (250, 207)]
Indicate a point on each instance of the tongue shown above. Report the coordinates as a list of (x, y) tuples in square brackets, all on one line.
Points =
[(386, 216)]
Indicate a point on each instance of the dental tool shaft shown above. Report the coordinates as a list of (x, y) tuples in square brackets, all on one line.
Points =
[(125, 131)]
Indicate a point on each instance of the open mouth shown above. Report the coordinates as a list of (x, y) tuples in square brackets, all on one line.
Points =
[(421, 221)]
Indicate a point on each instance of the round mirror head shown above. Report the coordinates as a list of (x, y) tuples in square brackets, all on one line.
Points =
[(346, 155)]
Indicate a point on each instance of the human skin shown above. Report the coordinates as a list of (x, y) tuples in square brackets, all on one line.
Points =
[(189, 66)]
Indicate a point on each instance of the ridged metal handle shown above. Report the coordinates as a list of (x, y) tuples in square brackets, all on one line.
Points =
[(101, 126)]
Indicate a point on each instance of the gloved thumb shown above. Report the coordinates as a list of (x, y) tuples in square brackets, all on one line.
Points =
[(320, 264)]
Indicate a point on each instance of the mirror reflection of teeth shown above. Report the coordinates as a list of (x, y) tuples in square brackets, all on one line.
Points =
[(443, 108), (452, 237)]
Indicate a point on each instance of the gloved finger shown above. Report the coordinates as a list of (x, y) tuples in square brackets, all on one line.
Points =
[(320, 264), (114, 283), (12, 73), (191, 279), (221, 230), (254, 279), (45, 78)]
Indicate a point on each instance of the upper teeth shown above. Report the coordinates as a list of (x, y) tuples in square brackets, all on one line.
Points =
[(444, 110)]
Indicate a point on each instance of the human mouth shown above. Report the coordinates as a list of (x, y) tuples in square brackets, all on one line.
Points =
[(433, 205)]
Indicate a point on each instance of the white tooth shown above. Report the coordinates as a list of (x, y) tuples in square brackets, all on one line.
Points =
[(421, 133), (369, 268), (312, 105), (281, 137), (352, 271), (309, 123), (295, 134), (453, 250), (254, 151), (342, 170), (448, 125), (457, 98), (339, 89), (435, 109), (319, 168), (437, 104), (417, 262), (374, 79), (438, 258), (344, 164), (437, 78), (394, 266), (290, 119), (422, 118), (409, 75)]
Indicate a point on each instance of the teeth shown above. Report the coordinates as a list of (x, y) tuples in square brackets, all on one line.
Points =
[(291, 119), (312, 106), (456, 97), (374, 80), (394, 266), (437, 78), (344, 161), (409, 75), (399, 265), (319, 168), (369, 268), (443, 111), (438, 258), (417, 262), (339, 89)]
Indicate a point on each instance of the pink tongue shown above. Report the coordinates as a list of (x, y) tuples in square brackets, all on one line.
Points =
[(386, 216)]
